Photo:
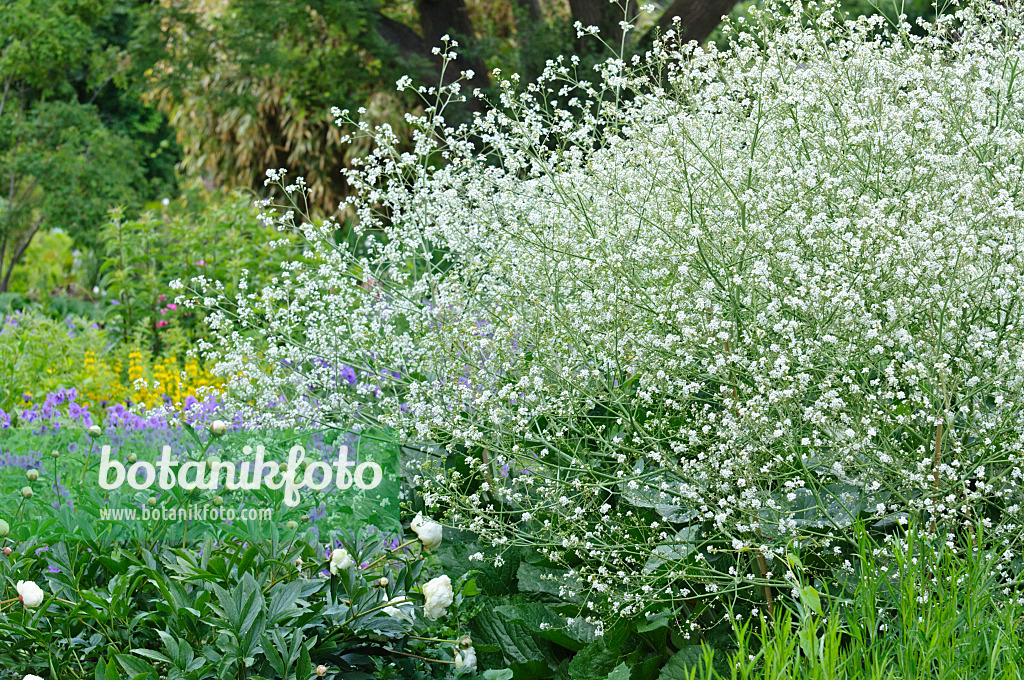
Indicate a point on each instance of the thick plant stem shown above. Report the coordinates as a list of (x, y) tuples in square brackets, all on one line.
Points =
[(936, 461), (762, 563)]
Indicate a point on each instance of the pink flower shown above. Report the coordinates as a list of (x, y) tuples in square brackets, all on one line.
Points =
[(161, 297), (161, 324), (171, 306), (200, 263)]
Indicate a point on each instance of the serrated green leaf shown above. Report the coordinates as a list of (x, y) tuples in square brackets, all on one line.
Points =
[(682, 662), (503, 674), (620, 672)]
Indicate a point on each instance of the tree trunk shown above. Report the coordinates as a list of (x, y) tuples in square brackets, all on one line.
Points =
[(5, 282), (607, 16), (528, 9), (451, 17), (698, 17)]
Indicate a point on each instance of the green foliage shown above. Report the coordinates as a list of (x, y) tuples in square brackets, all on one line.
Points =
[(250, 85), (52, 264), (204, 611), (929, 612), (212, 236), (62, 165), (39, 354)]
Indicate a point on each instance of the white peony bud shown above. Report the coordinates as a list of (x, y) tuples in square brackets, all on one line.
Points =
[(30, 594), (427, 531), (321, 671), (218, 427), (400, 608), (466, 656), (340, 560), (437, 594)]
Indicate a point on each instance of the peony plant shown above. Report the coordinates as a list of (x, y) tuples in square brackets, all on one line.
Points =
[(267, 608)]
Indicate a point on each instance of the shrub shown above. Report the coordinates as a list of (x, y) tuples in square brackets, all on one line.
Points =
[(39, 355), (199, 236), (709, 311), (263, 608)]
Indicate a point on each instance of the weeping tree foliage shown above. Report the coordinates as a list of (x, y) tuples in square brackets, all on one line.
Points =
[(250, 85)]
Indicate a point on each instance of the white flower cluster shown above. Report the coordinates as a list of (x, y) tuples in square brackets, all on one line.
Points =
[(682, 319)]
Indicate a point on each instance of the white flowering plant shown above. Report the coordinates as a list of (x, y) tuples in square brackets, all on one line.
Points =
[(674, 325), (270, 608)]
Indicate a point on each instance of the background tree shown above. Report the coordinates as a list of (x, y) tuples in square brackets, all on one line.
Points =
[(66, 151), (249, 85)]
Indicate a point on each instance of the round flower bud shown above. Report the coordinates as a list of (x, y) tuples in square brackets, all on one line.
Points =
[(218, 500), (132, 457), (55, 453), (382, 582), (95, 431), (218, 427), (291, 525), (321, 671), (26, 492), (5, 528), (32, 475), (151, 501), (7, 552)]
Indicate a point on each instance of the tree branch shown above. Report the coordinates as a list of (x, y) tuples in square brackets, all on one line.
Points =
[(3, 99), (19, 252), (407, 41), (698, 18)]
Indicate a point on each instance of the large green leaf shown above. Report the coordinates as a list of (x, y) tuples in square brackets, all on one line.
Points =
[(543, 622), (528, 656)]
